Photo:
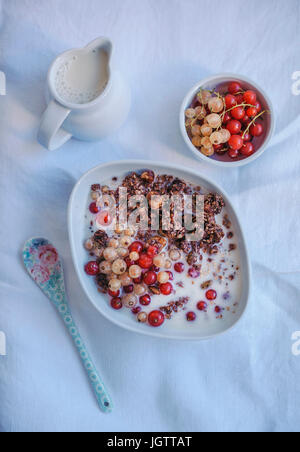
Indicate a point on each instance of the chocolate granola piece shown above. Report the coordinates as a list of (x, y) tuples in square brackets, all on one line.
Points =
[(155, 290), (213, 233), (213, 250), (230, 235), (148, 177), (206, 284), (188, 190), (100, 239), (174, 234), (134, 185), (174, 307), (226, 222), (191, 259), (177, 186), (213, 203), (162, 184), (96, 187), (158, 241), (144, 236), (102, 282), (198, 190), (232, 247), (194, 258), (167, 310), (184, 245)]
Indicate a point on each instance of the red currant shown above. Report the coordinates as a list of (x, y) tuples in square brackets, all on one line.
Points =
[(238, 113), (136, 247), (236, 142), (246, 120), (239, 99), (195, 103), (150, 278), (113, 294), (251, 112), (233, 153), (250, 97), (145, 300), (94, 208), (92, 268), (116, 303), (152, 251), (128, 289), (218, 147), (258, 106), (247, 137), (166, 289), (230, 101), (179, 267), (227, 117), (129, 262), (257, 130), (145, 261), (155, 269), (191, 316), (234, 88), (138, 280), (156, 318), (218, 309), (211, 294), (234, 127), (136, 310), (202, 306), (247, 149), (104, 218), (193, 273), (171, 276)]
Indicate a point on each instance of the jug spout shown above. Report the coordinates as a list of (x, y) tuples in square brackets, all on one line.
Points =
[(101, 43)]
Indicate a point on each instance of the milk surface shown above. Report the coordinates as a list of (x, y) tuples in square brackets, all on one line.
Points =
[(82, 78)]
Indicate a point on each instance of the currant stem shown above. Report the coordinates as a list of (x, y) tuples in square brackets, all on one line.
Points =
[(252, 122)]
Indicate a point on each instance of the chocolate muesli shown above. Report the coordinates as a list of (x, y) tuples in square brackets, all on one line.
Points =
[(159, 273)]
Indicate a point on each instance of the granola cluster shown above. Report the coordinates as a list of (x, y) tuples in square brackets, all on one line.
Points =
[(146, 183), (174, 307), (150, 185)]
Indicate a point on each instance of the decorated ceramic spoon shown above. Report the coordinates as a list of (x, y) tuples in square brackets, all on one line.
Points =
[(43, 264)]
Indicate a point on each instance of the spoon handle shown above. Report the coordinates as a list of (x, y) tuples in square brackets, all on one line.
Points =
[(102, 396)]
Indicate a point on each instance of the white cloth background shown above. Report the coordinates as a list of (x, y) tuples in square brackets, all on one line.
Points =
[(247, 380)]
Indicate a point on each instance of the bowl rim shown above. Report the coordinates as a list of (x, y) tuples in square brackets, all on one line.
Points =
[(166, 166), (190, 95)]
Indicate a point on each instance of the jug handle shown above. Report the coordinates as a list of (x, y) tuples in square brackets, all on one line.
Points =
[(50, 134)]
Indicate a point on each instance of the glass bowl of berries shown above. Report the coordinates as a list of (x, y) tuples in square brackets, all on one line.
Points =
[(227, 120)]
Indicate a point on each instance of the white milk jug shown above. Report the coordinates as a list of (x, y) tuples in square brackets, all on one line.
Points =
[(87, 100)]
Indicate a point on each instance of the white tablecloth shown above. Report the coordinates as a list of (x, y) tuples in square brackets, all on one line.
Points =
[(247, 380)]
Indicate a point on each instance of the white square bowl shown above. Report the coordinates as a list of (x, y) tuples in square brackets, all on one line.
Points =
[(77, 231)]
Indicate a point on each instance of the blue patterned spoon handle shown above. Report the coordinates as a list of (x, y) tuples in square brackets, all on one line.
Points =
[(43, 264), (102, 396)]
